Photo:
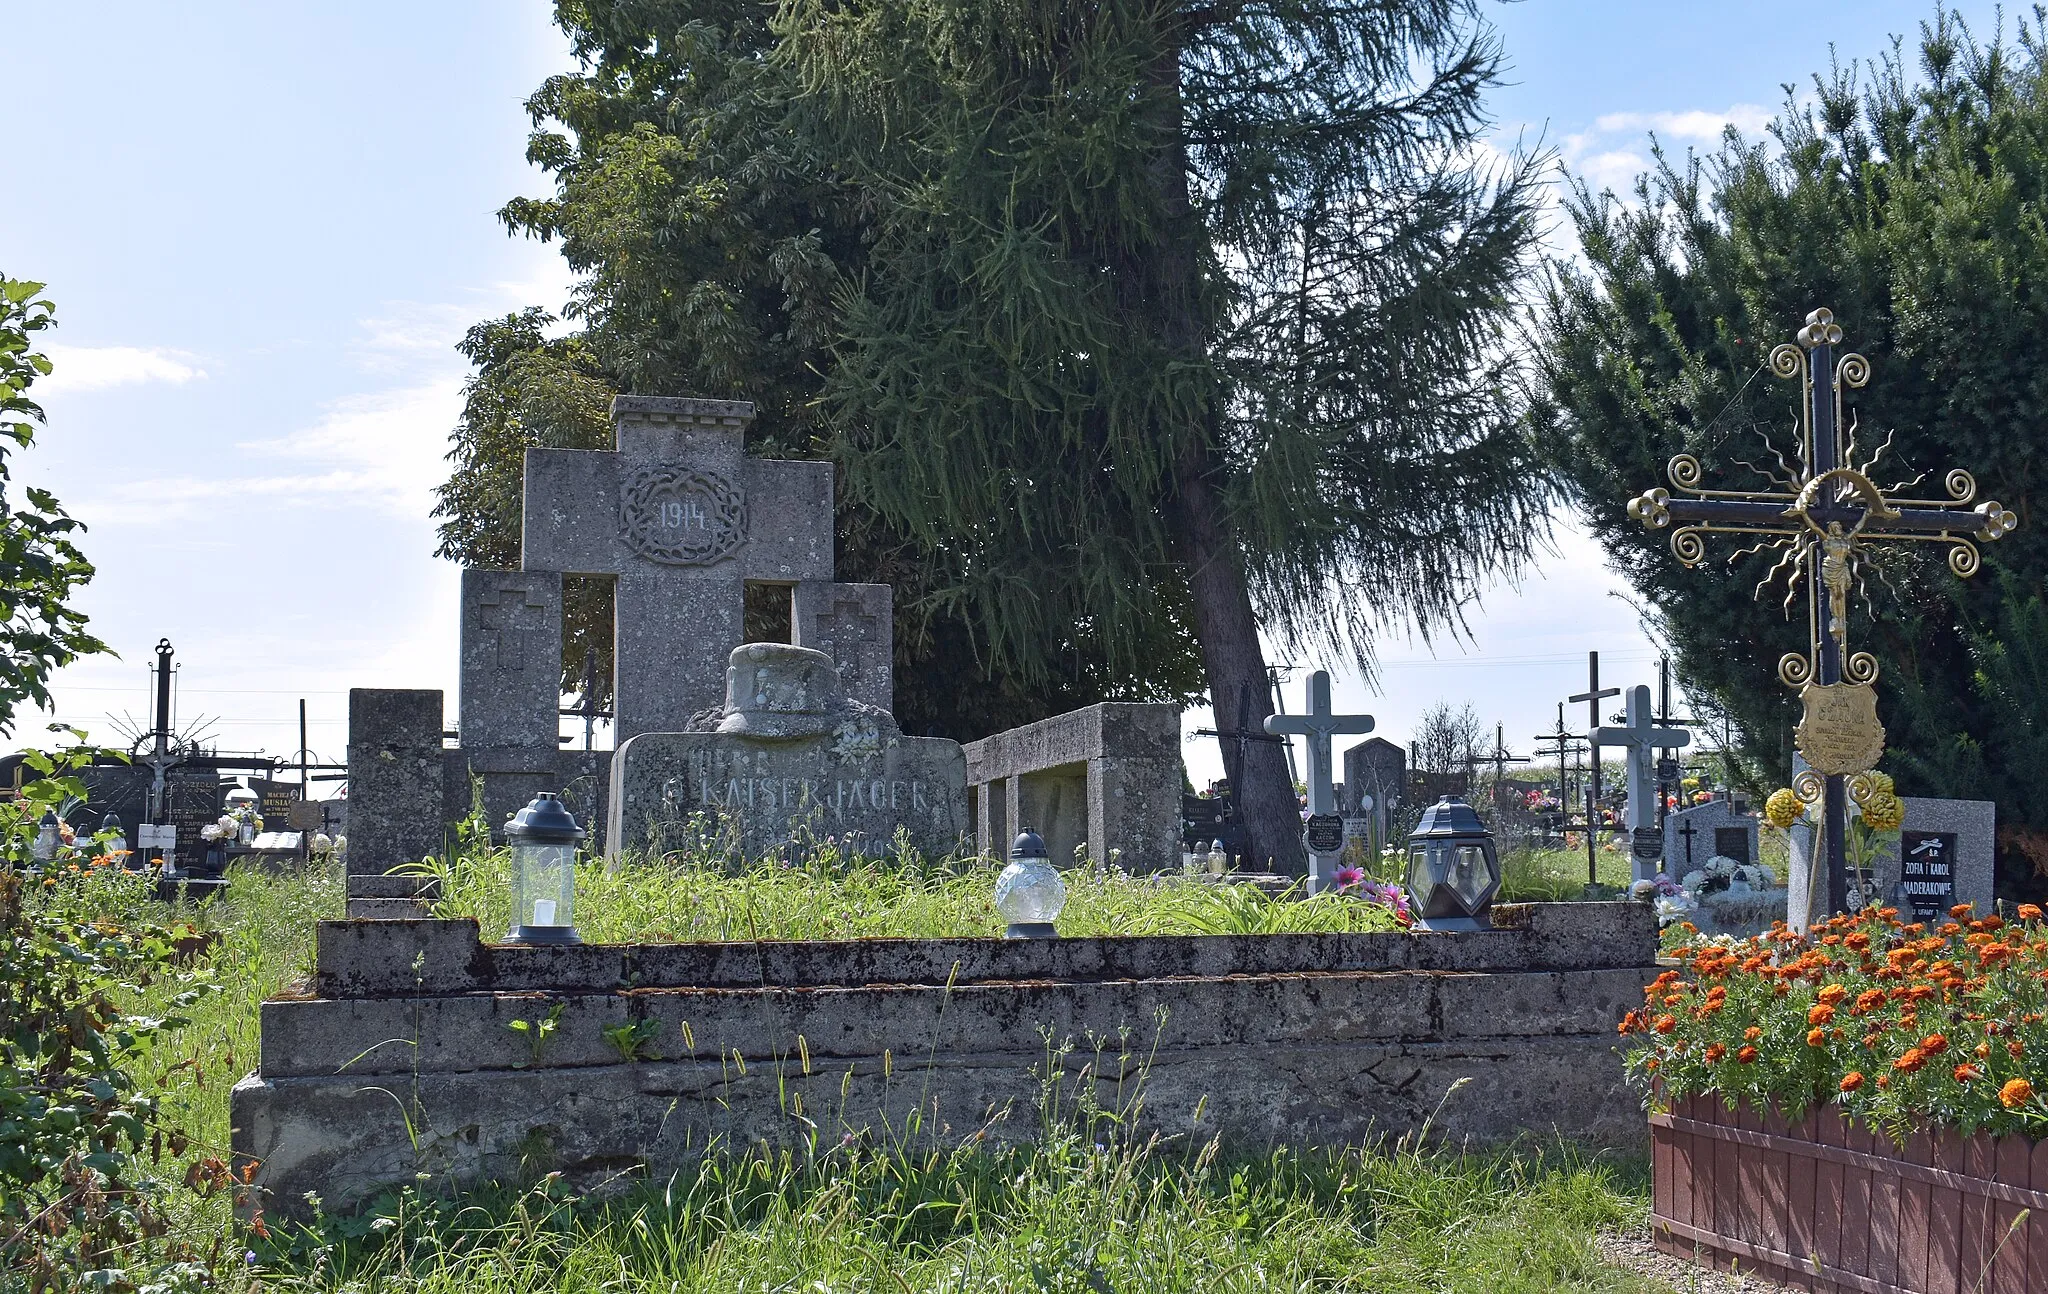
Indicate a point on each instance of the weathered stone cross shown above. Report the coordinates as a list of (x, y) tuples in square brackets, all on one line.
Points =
[(685, 520), (1319, 725), (1643, 739), (511, 619)]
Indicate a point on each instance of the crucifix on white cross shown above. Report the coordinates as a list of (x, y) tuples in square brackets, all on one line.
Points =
[(1319, 725), (1643, 739)]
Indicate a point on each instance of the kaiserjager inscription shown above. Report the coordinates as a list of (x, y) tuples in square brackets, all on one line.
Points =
[(1927, 861), (680, 516)]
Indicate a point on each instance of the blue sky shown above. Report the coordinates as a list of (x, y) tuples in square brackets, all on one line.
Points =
[(266, 226)]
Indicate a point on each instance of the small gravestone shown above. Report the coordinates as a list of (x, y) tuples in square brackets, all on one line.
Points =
[(1692, 836), (1947, 854), (1375, 769), (395, 778), (1953, 847), (792, 755)]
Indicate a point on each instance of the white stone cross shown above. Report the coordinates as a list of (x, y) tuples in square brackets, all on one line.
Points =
[(1319, 725), (1643, 740)]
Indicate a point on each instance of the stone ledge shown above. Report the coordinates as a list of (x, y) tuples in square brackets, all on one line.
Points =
[(359, 960), (470, 1032), (668, 408), (412, 909), (1126, 729)]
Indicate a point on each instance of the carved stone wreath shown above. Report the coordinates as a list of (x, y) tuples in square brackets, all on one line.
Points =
[(680, 516)]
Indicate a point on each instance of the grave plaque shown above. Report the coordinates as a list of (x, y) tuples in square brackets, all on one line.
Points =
[(1733, 842), (1324, 833), (192, 800), (1646, 844), (274, 800), (1927, 864)]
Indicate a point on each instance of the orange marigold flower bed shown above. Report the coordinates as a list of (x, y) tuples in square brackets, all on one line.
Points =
[(1973, 986)]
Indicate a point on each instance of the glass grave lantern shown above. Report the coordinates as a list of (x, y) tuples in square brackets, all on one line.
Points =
[(543, 837), (115, 834), (1453, 869), (1029, 892), (49, 838)]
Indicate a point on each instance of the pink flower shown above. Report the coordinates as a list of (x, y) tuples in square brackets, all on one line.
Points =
[(1349, 878)]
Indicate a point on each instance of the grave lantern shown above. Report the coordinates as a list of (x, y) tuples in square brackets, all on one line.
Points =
[(1453, 870), (117, 836), (49, 836), (1029, 892), (543, 838)]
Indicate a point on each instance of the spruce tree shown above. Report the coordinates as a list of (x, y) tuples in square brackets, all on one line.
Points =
[(1176, 304), (1904, 195)]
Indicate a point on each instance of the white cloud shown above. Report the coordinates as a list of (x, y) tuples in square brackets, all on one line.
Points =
[(93, 368), (1615, 169), (1613, 152), (379, 453), (1698, 125)]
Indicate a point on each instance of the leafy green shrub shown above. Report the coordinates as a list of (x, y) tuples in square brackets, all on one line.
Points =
[(77, 1204)]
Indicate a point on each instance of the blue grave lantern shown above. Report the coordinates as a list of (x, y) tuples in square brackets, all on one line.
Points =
[(543, 836), (1453, 868)]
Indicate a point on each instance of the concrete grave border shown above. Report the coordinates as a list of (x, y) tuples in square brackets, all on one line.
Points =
[(396, 1058)]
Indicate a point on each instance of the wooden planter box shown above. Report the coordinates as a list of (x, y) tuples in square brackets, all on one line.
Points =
[(1827, 1205)]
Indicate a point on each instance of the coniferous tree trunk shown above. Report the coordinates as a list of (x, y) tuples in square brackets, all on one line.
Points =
[(1226, 625), (1239, 685)]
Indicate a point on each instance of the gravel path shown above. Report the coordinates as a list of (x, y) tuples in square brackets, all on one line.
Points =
[(1633, 1250)]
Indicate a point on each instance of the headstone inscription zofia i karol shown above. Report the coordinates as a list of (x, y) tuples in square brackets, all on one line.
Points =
[(792, 755)]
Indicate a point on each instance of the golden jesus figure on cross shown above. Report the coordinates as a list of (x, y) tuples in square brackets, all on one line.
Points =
[(1828, 512)]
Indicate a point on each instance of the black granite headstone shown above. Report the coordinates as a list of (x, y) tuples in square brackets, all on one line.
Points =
[(1733, 842), (1928, 861)]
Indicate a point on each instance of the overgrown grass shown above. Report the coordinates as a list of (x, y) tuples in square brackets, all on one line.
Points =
[(1068, 1214), (1082, 1210), (1557, 875), (835, 896)]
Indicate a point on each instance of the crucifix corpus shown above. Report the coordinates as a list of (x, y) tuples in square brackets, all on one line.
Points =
[(1643, 739), (1323, 835), (1822, 518)]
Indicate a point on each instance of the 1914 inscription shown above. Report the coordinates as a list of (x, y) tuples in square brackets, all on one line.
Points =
[(679, 516)]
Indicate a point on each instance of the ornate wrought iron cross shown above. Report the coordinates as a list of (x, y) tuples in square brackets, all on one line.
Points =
[(1822, 520)]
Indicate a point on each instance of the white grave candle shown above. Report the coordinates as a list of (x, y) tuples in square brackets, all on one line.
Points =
[(543, 912)]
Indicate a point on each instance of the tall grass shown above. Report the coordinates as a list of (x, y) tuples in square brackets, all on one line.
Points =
[(1070, 1213), (829, 895), (1084, 1209)]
